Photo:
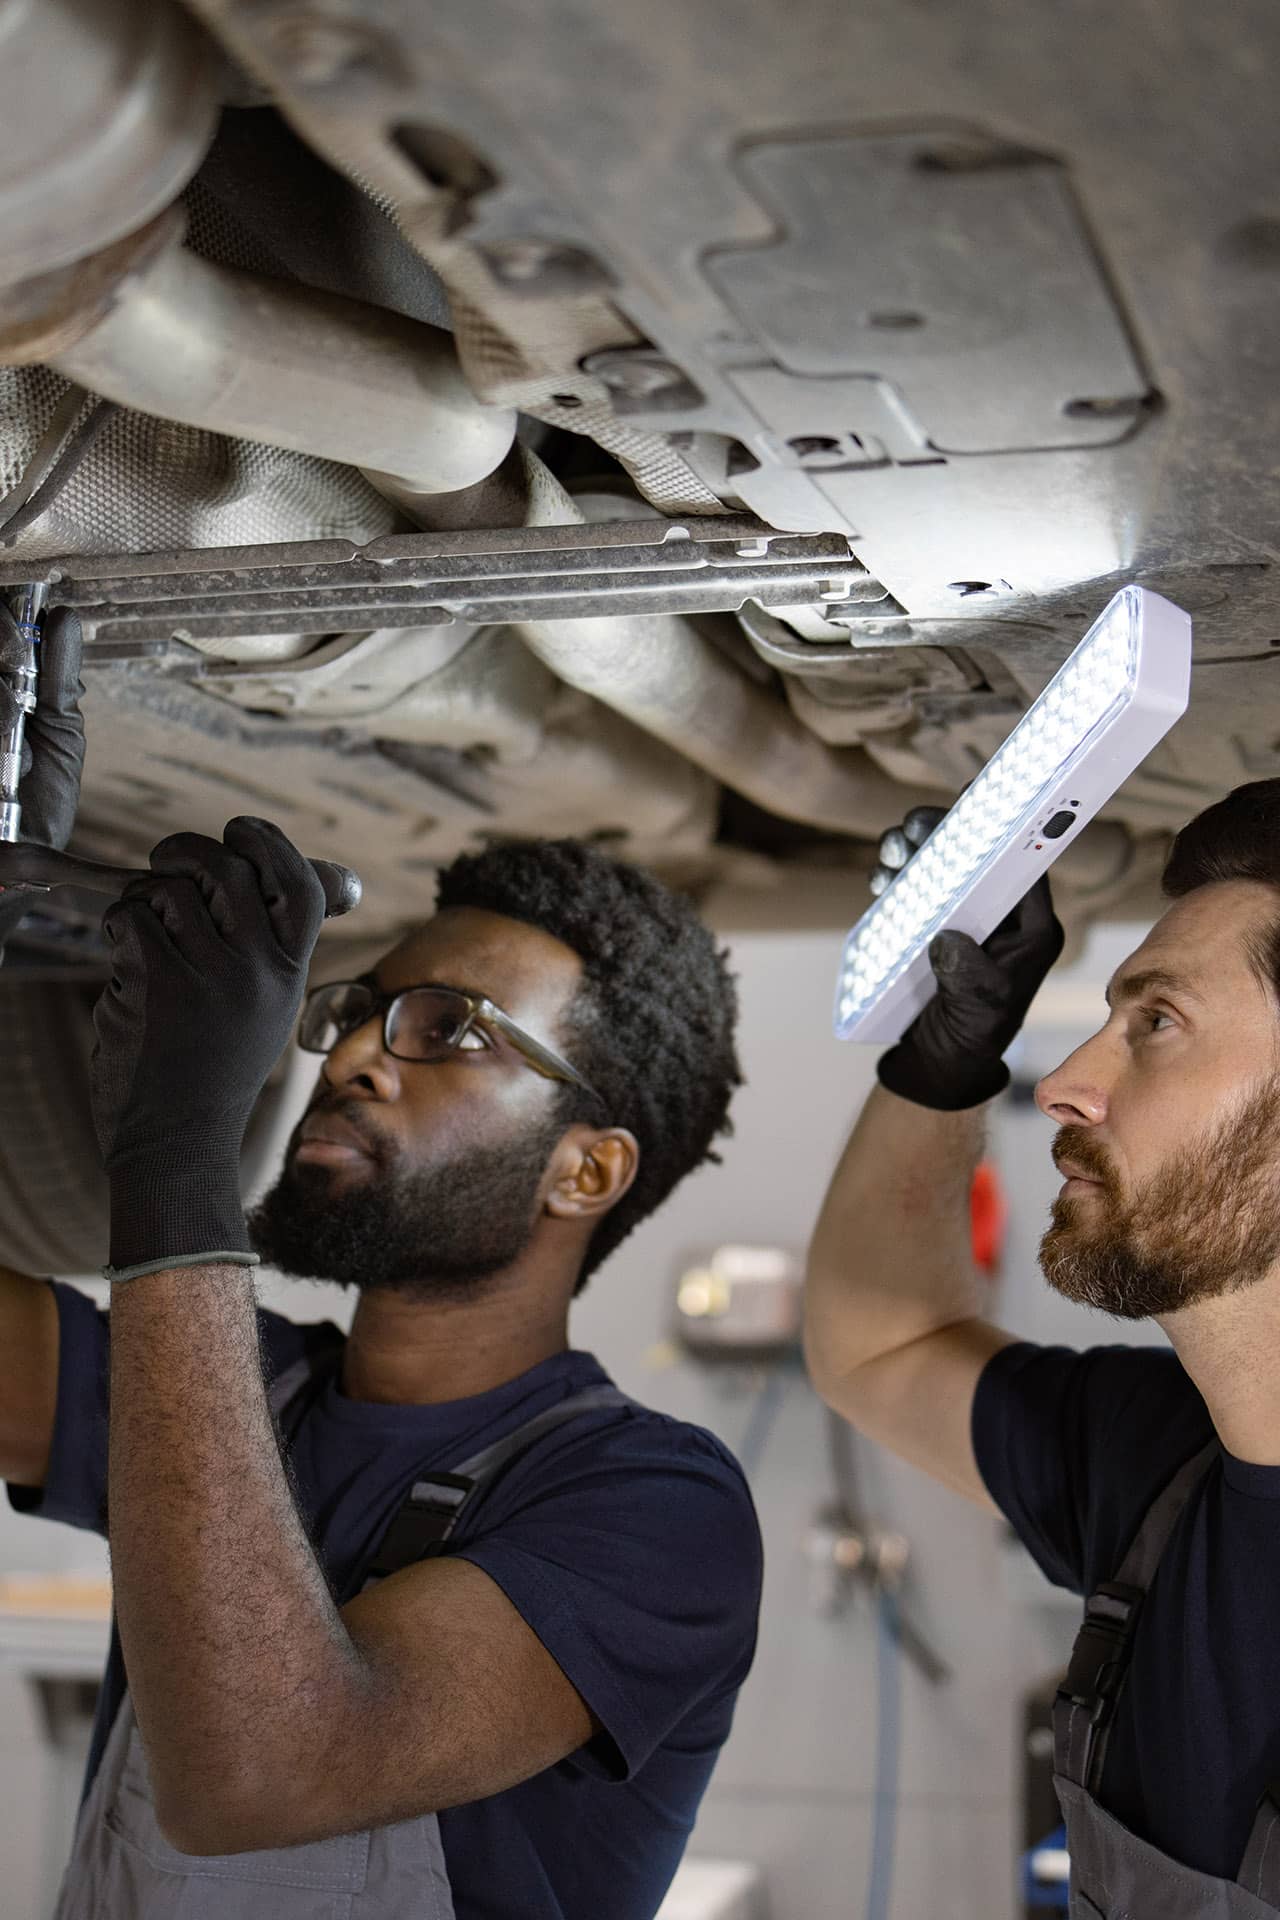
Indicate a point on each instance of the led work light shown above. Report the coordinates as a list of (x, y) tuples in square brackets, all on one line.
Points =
[(1117, 694)]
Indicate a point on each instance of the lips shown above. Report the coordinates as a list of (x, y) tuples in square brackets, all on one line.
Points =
[(331, 1139)]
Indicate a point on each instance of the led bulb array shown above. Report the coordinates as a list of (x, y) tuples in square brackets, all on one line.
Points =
[(1076, 711)]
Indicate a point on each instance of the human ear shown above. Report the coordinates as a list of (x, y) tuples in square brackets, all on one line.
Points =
[(598, 1169)]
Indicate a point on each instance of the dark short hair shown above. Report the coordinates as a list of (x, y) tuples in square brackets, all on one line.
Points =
[(1235, 839), (652, 1023)]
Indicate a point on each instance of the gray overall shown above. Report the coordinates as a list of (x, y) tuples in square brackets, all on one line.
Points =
[(1114, 1874), (123, 1868)]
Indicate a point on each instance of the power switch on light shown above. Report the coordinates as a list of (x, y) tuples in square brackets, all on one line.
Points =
[(1055, 828)]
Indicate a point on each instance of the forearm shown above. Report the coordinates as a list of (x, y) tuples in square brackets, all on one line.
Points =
[(890, 1258), (28, 1376), (237, 1658)]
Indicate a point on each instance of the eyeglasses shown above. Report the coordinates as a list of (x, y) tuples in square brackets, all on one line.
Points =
[(422, 1024)]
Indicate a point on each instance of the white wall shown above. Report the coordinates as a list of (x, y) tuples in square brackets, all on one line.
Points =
[(794, 1786)]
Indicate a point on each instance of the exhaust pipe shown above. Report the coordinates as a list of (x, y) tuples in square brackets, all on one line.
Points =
[(261, 359)]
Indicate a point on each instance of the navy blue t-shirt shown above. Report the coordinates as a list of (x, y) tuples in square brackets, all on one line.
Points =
[(1074, 1447), (626, 1539)]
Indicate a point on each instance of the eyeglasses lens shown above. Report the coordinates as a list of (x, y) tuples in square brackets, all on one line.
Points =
[(426, 1023), (332, 1011)]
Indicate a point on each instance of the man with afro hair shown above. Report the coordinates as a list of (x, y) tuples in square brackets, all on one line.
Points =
[(428, 1620)]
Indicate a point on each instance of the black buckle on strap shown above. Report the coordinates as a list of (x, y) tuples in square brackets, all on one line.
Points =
[(1101, 1652), (426, 1517)]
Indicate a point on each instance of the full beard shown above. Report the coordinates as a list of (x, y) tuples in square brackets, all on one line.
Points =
[(429, 1233), (1206, 1224)]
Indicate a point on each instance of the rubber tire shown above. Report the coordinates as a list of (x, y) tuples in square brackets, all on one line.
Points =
[(53, 1192)]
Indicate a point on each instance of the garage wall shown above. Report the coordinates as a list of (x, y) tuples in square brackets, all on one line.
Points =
[(795, 1787)]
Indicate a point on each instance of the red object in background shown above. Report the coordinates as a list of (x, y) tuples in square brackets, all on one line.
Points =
[(988, 1214)]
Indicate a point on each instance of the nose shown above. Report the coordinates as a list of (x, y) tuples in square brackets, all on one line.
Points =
[(1075, 1094), (359, 1060)]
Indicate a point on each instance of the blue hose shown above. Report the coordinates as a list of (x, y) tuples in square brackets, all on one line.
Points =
[(888, 1740)]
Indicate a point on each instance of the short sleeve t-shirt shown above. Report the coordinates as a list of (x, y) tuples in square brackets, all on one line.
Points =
[(1074, 1447), (626, 1539)]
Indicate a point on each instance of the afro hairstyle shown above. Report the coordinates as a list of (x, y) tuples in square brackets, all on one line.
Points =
[(651, 1025)]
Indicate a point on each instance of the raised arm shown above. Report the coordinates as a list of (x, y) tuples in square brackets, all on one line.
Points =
[(49, 790), (28, 1377), (893, 1335)]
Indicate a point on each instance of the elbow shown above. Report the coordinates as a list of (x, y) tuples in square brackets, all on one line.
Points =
[(842, 1393), (202, 1817), (201, 1825), (190, 1827), (816, 1339), (229, 1794), (206, 1831), (827, 1362), (829, 1385), (811, 1346)]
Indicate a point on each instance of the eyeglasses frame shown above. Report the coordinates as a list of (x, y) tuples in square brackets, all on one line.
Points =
[(480, 1010)]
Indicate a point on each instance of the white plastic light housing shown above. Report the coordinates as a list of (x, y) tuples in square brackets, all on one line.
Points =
[(1096, 721)]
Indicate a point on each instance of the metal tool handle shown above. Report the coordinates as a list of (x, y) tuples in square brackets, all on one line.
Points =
[(26, 604), (34, 869)]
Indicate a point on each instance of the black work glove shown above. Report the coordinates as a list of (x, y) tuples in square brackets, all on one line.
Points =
[(950, 1055), (210, 953), (53, 744)]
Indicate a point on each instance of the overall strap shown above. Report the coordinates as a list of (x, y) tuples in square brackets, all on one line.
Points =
[(1085, 1705), (430, 1512), (287, 1396)]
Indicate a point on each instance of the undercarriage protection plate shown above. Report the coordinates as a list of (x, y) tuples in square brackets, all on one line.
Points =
[(710, 565)]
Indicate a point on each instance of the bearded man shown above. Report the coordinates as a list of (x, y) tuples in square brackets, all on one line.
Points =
[(1147, 1481), (430, 1620)]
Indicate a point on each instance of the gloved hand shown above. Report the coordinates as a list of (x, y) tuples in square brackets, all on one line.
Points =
[(210, 954), (53, 745), (950, 1055)]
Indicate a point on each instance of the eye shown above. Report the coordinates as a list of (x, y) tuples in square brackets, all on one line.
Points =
[(474, 1040), (1153, 1016)]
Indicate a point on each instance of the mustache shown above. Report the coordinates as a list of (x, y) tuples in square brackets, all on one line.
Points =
[(1077, 1146)]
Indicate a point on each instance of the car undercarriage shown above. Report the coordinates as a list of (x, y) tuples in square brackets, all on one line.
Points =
[(701, 427)]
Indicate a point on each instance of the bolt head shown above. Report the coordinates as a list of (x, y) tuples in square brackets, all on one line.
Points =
[(640, 377), (641, 380), (530, 263), (520, 259)]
